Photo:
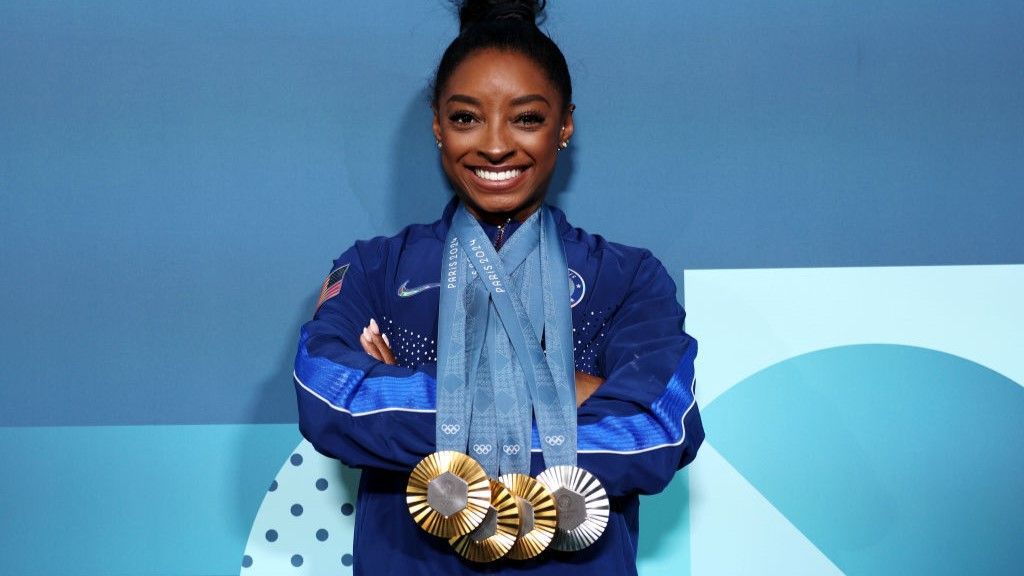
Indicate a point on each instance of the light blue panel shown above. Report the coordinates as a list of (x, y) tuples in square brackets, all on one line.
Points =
[(665, 531), (134, 500), (890, 459)]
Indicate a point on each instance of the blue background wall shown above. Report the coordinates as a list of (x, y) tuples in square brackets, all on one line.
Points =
[(176, 178)]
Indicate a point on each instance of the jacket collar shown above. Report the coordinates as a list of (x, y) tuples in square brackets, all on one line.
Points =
[(442, 226)]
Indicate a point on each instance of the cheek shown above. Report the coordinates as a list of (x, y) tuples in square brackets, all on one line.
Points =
[(544, 151), (543, 143)]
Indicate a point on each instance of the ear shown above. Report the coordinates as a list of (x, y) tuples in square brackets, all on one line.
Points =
[(437, 126), (567, 124)]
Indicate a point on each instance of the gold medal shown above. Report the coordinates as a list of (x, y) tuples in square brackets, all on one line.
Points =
[(494, 537), (582, 506), (448, 494), (537, 515)]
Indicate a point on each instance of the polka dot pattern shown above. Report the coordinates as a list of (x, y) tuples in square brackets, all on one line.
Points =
[(307, 519), (411, 349), (590, 331), (589, 338)]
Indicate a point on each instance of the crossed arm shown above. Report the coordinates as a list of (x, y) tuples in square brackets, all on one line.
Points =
[(375, 343)]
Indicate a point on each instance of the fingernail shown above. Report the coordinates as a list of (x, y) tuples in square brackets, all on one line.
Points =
[(365, 334), (373, 326), (386, 341)]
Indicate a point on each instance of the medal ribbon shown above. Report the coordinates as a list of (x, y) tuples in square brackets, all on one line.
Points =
[(491, 365)]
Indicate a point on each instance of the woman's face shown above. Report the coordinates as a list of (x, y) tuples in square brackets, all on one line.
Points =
[(500, 121)]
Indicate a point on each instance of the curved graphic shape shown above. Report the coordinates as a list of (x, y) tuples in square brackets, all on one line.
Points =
[(306, 521), (890, 459)]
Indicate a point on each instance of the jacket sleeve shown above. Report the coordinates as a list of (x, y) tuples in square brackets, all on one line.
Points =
[(642, 423), (352, 407)]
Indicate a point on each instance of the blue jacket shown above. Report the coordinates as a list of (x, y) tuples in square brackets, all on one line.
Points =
[(634, 432)]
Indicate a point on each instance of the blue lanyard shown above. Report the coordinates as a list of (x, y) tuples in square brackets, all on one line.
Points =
[(491, 366)]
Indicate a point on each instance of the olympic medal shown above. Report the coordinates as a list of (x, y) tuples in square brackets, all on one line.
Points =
[(582, 506), (448, 494), (538, 515), (494, 537)]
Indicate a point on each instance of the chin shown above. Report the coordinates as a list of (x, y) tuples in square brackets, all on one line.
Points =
[(500, 208)]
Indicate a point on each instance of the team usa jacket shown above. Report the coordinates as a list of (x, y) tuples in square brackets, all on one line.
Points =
[(634, 432)]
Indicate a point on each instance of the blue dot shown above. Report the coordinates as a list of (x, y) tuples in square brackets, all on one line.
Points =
[(296, 509), (273, 486), (321, 484), (347, 509), (246, 561), (346, 560), (296, 459), (297, 560), (321, 534), (271, 535)]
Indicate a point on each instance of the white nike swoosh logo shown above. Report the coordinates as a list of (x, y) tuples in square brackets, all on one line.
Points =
[(404, 291)]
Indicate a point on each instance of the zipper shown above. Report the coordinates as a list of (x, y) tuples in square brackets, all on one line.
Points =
[(499, 238)]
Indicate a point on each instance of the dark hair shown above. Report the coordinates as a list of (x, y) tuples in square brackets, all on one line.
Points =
[(509, 25)]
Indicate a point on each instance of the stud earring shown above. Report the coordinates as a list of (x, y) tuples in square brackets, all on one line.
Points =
[(563, 144), (438, 144)]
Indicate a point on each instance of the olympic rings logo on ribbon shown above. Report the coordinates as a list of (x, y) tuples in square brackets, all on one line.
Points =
[(482, 448), (450, 428), (511, 449), (555, 440)]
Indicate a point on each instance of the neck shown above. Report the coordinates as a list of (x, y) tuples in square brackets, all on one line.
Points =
[(502, 218)]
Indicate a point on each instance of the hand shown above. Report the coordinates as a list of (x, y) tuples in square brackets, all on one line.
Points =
[(586, 384), (375, 343)]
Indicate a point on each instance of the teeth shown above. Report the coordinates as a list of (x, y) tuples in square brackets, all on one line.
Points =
[(498, 176)]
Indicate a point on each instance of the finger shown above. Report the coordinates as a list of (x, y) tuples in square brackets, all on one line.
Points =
[(385, 350), (374, 329), (380, 345), (368, 346), (383, 347)]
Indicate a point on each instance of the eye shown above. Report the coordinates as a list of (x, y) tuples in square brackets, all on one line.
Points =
[(461, 118), (530, 119)]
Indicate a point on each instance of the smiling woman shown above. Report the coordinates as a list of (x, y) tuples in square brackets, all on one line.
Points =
[(520, 409), (500, 123)]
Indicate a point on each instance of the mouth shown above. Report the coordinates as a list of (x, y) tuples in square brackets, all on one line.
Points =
[(498, 176)]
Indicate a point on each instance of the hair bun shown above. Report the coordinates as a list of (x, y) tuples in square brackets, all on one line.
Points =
[(472, 12)]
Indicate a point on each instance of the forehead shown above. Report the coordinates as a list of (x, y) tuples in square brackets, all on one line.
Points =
[(497, 75)]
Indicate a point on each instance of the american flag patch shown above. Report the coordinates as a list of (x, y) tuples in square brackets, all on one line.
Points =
[(332, 285)]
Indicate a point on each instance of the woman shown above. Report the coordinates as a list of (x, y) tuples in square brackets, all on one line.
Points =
[(367, 369)]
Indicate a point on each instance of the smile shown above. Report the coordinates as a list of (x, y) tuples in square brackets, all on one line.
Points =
[(502, 176)]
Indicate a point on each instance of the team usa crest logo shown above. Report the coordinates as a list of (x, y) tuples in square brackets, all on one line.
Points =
[(577, 288)]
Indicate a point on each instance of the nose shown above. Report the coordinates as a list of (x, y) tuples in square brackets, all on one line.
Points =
[(496, 145)]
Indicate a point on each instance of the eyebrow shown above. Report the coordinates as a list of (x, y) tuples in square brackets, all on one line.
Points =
[(519, 101), (529, 98), (464, 99)]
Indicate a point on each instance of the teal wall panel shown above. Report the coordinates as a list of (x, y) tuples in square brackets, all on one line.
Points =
[(134, 500)]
